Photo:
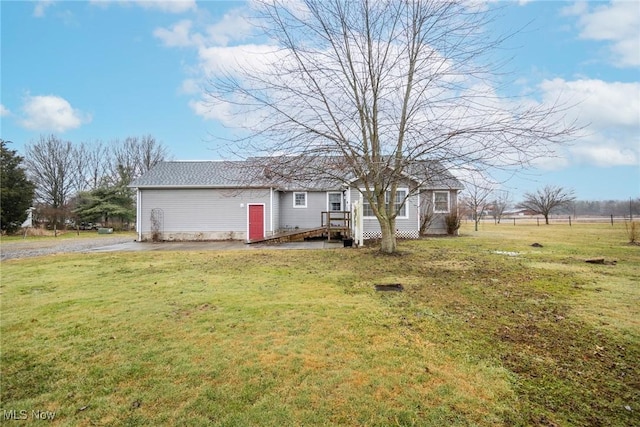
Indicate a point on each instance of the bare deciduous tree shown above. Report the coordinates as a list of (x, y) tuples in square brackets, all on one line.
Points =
[(500, 204), (382, 86), (133, 157), (150, 153), (477, 196), (124, 160), (95, 165), (61, 169), (91, 163), (546, 199), (51, 167)]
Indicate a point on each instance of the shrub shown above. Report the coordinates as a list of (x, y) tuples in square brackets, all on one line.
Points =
[(633, 231), (453, 223)]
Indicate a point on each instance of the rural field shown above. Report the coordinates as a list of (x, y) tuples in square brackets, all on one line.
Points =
[(487, 331)]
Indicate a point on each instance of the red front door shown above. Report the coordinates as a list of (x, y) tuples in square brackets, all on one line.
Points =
[(256, 222)]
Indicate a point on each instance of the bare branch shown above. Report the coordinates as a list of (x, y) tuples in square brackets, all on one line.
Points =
[(383, 86)]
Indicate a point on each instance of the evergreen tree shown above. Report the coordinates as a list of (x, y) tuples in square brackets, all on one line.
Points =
[(17, 191), (104, 204)]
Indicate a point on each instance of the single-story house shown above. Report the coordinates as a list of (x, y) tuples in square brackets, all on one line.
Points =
[(227, 200)]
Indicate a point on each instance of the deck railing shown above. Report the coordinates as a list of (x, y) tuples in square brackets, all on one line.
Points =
[(336, 223)]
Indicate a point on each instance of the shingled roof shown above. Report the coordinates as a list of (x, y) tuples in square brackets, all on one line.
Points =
[(206, 174), (433, 175), (253, 174)]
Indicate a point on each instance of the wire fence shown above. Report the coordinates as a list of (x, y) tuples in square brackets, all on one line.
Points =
[(558, 219)]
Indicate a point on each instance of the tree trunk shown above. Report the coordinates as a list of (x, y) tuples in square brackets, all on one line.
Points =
[(546, 219), (388, 227)]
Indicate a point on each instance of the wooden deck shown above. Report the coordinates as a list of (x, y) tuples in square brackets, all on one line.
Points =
[(335, 225)]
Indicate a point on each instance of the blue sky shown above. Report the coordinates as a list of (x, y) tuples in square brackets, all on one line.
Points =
[(102, 70)]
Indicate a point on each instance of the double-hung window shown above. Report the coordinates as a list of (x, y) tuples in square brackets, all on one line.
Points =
[(441, 201), (335, 201), (300, 199), (400, 206)]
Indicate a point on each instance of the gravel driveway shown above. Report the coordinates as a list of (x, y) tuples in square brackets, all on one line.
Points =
[(39, 247), (33, 248)]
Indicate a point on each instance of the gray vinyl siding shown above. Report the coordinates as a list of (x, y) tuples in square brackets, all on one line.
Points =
[(438, 224), (308, 217), (193, 214)]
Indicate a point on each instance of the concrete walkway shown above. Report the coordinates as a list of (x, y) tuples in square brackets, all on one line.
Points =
[(213, 246)]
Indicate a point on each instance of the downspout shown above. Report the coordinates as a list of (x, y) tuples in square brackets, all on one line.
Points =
[(419, 212), (347, 207), (271, 209)]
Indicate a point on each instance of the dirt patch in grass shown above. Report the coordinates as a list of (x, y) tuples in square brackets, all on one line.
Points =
[(390, 287), (565, 368)]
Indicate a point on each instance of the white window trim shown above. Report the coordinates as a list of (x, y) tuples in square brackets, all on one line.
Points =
[(448, 202), (329, 200), (406, 207), (305, 199)]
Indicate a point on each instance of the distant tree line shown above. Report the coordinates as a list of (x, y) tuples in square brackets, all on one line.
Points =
[(480, 200), (80, 183), (606, 207)]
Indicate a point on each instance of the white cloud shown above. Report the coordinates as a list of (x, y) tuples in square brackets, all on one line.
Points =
[(551, 163), (628, 51), (610, 114), (40, 7), (216, 59), (4, 111), (218, 49), (577, 8), (603, 104), (51, 113), (209, 111), (178, 35), (190, 87), (609, 111), (168, 6), (233, 26), (616, 22), (604, 156)]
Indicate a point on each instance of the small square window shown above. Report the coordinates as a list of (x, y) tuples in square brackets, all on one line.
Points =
[(299, 200)]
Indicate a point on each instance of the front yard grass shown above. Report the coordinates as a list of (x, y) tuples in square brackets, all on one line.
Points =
[(488, 331)]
